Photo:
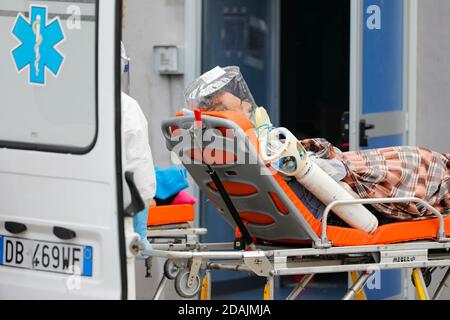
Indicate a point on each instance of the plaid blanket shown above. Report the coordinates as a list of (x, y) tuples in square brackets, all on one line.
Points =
[(395, 172)]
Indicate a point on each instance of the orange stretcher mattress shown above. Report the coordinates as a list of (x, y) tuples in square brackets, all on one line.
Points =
[(165, 215), (387, 234)]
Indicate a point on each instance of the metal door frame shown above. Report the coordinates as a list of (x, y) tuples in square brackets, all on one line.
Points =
[(409, 70), (193, 21), (409, 85)]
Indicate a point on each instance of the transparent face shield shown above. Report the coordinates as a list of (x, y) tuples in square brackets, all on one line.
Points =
[(125, 70), (221, 90)]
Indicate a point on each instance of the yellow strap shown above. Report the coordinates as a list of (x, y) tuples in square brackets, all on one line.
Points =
[(420, 285), (205, 287), (267, 292)]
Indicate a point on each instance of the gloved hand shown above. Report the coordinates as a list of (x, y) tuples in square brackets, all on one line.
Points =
[(146, 247), (140, 223), (140, 227)]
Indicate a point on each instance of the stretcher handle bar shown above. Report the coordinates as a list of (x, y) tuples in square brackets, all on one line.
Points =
[(225, 246), (325, 243), (191, 255), (230, 267)]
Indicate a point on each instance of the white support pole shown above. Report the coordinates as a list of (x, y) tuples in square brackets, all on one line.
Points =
[(411, 47), (355, 72), (193, 63)]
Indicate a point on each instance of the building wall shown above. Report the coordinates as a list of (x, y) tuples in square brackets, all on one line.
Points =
[(433, 94), (433, 83), (146, 24)]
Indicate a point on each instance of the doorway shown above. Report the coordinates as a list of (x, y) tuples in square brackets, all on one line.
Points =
[(295, 57), (241, 33), (315, 68)]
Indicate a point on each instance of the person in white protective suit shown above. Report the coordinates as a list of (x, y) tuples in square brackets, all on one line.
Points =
[(138, 154)]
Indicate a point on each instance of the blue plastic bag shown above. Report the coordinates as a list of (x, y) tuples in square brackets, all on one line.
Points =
[(170, 181)]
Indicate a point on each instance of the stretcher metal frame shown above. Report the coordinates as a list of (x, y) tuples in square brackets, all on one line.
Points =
[(179, 235), (269, 261)]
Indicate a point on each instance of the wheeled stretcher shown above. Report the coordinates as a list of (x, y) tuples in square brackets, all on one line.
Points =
[(172, 226), (280, 235)]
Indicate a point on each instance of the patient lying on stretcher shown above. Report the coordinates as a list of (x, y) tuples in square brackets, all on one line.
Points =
[(395, 172)]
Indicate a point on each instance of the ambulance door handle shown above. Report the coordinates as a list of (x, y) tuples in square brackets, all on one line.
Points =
[(64, 234), (137, 204), (15, 227)]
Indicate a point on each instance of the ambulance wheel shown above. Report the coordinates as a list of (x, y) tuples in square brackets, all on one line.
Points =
[(182, 287), (171, 270)]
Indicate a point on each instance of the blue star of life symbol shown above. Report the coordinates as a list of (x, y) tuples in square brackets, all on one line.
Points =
[(39, 39)]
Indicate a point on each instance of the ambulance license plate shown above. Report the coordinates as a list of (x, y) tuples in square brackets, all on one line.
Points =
[(46, 256)]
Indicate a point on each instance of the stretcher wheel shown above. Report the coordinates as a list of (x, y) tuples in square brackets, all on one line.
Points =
[(182, 287), (171, 270)]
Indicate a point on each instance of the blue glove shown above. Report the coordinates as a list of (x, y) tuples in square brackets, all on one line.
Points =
[(140, 227), (147, 247), (140, 223)]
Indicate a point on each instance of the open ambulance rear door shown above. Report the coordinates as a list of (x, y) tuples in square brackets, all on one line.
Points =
[(62, 233)]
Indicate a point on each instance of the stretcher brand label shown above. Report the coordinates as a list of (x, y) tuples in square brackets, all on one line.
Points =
[(410, 256), (404, 259)]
